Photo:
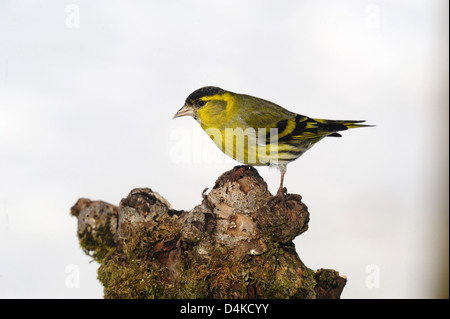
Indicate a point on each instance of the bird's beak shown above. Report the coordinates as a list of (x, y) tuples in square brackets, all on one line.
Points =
[(186, 110)]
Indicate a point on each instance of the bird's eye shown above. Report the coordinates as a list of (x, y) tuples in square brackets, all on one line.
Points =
[(201, 103)]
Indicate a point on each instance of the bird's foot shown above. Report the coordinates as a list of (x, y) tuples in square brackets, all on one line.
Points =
[(282, 191), (281, 195)]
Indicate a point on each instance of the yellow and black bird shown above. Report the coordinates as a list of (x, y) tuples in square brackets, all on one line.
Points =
[(254, 131)]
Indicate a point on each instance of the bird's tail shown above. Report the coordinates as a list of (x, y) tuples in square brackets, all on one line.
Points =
[(354, 124), (333, 126), (342, 125)]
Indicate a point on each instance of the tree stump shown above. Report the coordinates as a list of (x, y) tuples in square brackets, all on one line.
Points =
[(237, 243)]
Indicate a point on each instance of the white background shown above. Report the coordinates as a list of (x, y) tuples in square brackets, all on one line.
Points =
[(88, 90)]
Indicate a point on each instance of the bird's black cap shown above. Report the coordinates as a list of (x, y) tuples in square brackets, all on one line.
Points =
[(204, 91)]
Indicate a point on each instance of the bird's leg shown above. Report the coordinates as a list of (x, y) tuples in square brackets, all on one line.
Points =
[(282, 190)]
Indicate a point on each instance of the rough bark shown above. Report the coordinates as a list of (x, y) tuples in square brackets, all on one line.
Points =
[(237, 243)]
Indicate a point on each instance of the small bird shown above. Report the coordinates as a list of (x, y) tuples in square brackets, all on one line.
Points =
[(257, 132)]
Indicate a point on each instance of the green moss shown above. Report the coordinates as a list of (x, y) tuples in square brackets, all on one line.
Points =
[(279, 275), (131, 273), (97, 242), (135, 279), (327, 277), (139, 278)]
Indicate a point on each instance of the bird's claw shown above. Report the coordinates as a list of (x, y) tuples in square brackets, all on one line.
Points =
[(281, 194), (282, 191)]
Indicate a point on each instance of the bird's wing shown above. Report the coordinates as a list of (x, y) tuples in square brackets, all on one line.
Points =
[(309, 128), (258, 114)]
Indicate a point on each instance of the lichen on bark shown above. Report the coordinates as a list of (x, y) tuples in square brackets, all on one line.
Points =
[(237, 243)]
